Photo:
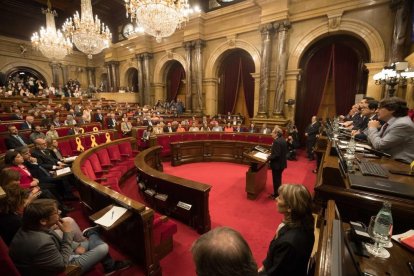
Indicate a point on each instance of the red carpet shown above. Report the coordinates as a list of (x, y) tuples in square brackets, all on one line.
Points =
[(256, 220)]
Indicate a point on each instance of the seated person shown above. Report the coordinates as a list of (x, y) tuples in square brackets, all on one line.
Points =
[(223, 252), (251, 129), (13, 139), (216, 127), (126, 126), (194, 127), (290, 249), (180, 128), (147, 133), (51, 132), (36, 250), (396, 135), (291, 155), (265, 129), (368, 113), (169, 128), (36, 133), (205, 127), (228, 128)]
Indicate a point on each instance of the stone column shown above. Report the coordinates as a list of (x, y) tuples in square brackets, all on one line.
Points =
[(110, 83), (198, 73), (147, 77), (91, 76), (188, 46), (211, 88), (140, 80), (115, 75), (292, 79), (256, 77), (400, 37), (55, 73), (65, 73), (282, 61), (267, 36)]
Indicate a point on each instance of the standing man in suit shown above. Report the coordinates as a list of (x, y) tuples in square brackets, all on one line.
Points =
[(277, 159), (311, 134), (28, 124), (396, 136), (14, 140)]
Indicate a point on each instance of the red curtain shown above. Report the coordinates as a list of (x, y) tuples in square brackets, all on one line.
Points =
[(237, 69), (174, 77)]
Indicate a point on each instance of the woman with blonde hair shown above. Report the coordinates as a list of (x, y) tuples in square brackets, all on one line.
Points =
[(290, 249)]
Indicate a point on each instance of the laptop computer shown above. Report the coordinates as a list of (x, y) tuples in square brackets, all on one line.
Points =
[(381, 185)]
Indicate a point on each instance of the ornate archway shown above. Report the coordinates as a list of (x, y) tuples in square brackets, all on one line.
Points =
[(131, 80)]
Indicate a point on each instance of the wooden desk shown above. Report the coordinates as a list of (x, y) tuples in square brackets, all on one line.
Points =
[(224, 151), (395, 265), (360, 205)]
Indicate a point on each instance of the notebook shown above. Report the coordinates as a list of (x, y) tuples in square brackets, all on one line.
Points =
[(381, 185)]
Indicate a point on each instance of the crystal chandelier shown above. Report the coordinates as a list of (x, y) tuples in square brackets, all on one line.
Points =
[(87, 34), (51, 43), (159, 18)]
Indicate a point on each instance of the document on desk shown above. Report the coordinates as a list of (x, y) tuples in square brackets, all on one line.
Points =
[(70, 159), (111, 216), (63, 171), (261, 155)]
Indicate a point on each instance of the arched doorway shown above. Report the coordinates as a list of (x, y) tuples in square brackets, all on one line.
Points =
[(29, 77), (333, 73), (236, 85), (131, 77), (103, 83), (175, 81)]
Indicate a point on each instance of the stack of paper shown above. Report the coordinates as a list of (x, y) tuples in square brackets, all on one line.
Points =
[(111, 216)]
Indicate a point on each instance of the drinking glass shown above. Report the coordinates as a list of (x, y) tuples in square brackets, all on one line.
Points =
[(380, 239)]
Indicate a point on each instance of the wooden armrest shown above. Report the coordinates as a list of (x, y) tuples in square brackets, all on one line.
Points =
[(73, 270), (101, 179)]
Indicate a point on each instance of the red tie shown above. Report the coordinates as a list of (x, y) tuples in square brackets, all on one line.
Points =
[(384, 127)]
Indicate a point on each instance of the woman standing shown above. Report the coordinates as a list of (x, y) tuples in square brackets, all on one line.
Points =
[(290, 250)]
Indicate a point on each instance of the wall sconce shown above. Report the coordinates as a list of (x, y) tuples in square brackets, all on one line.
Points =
[(290, 102), (393, 75)]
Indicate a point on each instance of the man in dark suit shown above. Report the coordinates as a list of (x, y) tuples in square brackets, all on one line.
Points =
[(168, 128), (112, 122), (44, 156), (98, 116), (14, 140), (28, 124), (17, 115), (311, 134), (277, 159)]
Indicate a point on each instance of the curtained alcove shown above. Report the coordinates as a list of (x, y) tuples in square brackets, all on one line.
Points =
[(333, 73), (131, 77), (175, 77), (236, 85)]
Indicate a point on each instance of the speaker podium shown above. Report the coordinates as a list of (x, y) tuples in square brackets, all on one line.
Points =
[(256, 176)]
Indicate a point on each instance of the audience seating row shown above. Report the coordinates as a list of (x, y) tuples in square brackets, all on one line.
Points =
[(147, 237)]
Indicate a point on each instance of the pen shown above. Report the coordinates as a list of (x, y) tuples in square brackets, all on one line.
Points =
[(112, 215), (411, 265)]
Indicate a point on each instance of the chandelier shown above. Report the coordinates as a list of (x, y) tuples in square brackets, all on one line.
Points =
[(50, 42), (159, 18), (396, 74), (87, 33)]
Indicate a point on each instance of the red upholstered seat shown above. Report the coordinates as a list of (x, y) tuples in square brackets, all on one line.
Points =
[(6, 264), (62, 131), (115, 156), (96, 165), (65, 148), (126, 150), (109, 181), (3, 147), (106, 162), (164, 141)]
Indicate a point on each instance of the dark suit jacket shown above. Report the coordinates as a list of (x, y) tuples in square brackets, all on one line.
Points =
[(15, 117), (289, 253), (99, 118), (111, 123), (167, 131), (312, 130), (12, 142), (46, 159), (25, 125), (278, 154)]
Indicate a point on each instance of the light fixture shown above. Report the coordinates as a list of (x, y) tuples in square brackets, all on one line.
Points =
[(87, 33), (51, 42), (159, 18), (393, 75)]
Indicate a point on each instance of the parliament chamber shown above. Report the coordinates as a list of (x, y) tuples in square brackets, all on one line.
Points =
[(210, 91)]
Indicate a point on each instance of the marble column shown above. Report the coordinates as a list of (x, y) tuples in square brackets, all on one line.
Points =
[(282, 61), (374, 90), (91, 76), (147, 77), (65, 73), (140, 80), (188, 46), (115, 75), (55, 73), (267, 36), (108, 72), (401, 33), (198, 73), (159, 91)]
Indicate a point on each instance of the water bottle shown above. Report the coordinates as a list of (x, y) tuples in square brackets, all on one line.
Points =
[(383, 223), (351, 148), (336, 127)]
